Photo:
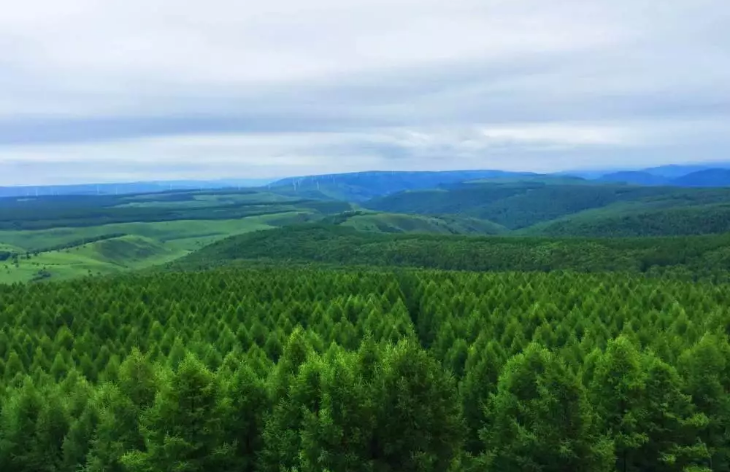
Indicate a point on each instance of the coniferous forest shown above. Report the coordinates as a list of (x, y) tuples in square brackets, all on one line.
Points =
[(277, 369)]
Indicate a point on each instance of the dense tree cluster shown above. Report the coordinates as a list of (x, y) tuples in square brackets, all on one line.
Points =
[(691, 257), (639, 221), (522, 204), (314, 370)]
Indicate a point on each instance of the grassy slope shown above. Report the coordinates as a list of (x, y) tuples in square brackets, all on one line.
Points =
[(146, 244), (182, 234), (99, 258), (156, 227), (9, 247)]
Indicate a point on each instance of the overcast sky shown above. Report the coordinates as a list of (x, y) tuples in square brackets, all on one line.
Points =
[(120, 90)]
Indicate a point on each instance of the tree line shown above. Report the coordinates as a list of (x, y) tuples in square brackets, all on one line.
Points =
[(690, 257)]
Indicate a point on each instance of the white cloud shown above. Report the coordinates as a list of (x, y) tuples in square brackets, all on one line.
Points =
[(373, 83), (520, 147)]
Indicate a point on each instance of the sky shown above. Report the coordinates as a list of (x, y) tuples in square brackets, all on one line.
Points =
[(129, 90)]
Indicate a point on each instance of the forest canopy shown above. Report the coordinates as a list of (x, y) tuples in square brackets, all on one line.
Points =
[(301, 369)]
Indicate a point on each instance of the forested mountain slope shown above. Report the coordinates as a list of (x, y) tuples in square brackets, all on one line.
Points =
[(519, 205), (636, 220), (276, 369), (344, 246)]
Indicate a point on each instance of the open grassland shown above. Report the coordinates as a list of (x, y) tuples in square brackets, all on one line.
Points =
[(105, 257), (72, 236), (143, 245), (185, 234)]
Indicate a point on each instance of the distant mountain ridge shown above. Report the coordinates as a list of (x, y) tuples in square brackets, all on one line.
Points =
[(674, 171), (705, 178), (363, 186), (635, 177), (715, 177), (123, 188)]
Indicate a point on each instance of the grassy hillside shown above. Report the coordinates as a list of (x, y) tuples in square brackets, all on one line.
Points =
[(105, 257), (185, 234), (340, 245), (169, 240), (77, 235)]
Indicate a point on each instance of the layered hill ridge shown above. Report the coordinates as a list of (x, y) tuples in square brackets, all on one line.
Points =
[(73, 235), (597, 209)]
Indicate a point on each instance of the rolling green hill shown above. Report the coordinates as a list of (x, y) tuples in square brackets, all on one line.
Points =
[(105, 257), (69, 236)]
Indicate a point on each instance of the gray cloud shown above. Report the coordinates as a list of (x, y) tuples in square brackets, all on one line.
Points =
[(177, 89)]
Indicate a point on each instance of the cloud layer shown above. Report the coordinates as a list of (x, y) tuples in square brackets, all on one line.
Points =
[(130, 90)]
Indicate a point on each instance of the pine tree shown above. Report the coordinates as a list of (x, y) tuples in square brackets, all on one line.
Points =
[(706, 370), (419, 426), (338, 433), (183, 429), (672, 427), (243, 413), (617, 391), (541, 420)]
